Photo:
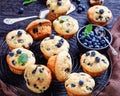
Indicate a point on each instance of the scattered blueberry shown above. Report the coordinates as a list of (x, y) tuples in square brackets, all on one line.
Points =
[(78, 1), (79, 10), (101, 11), (61, 40), (87, 53), (21, 10), (59, 44), (11, 53), (92, 53), (18, 51), (52, 36), (97, 59), (81, 82), (59, 3), (19, 33)]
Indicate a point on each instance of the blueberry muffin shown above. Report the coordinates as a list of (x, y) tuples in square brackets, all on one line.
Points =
[(38, 78), (60, 65), (39, 28), (57, 8), (53, 45), (94, 63), (66, 26), (99, 15), (18, 59), (79, 84), (18, 38), (96, 2)]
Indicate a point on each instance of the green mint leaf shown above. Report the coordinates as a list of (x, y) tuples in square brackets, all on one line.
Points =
[(26, 2), (22, 59), (88, 29), (63, 19)]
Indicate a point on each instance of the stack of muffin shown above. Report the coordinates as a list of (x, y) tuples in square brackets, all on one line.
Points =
[(55, 48)]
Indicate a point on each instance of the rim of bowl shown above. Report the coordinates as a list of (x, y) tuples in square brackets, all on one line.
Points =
[(95, 25)]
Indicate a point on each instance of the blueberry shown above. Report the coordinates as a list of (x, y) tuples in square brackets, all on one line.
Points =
[(102, 42), (81, 82), (97, 46), (59, 3), (11, 53), (59, 44), (87, 53), (101, 11), (86, 40), (89, 42), (88, 37), (78, 1), (105, 45), (85, 43), (79, 10), (35, 30), (81, 6), (61, 40), (21, 10), (19, 33), (82, 38), (91, 46), (92, 33), (82, 33), (93, 39), (97, 41), (101, 29), (18, 51), (92, 53), (52, 36), (97, 59)]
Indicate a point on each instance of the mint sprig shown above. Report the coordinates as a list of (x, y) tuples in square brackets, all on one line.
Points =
[(22, 59), (88, 29), (26, 2)]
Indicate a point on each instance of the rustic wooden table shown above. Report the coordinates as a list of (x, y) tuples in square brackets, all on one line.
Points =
[(10, 8)]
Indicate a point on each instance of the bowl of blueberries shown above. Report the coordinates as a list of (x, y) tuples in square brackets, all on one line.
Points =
[(94, 37)]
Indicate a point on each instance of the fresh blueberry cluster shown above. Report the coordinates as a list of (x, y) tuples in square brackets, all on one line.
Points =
[(92, 40)]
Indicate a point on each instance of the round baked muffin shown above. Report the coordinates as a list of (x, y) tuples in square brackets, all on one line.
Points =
[(18, 38), (96, 2), (19, 58), (94, 63), (57, 8), (66, 26), (38, 78), (39, 28), (53, 45), (60, 65), (99, 15), (79, 84)]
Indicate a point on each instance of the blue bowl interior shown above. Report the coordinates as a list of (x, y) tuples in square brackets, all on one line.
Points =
[(89, 48)]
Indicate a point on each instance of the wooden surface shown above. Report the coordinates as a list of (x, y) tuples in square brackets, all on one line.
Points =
[(10, 8)]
